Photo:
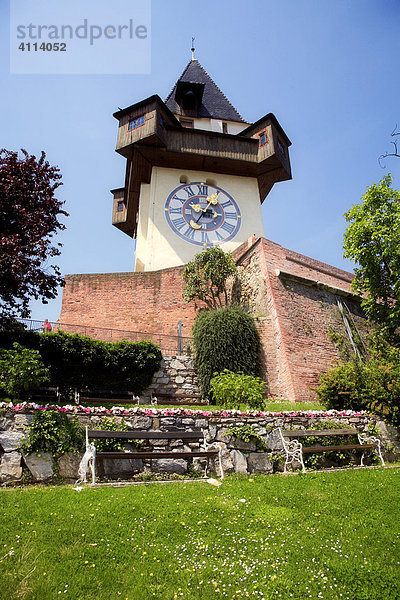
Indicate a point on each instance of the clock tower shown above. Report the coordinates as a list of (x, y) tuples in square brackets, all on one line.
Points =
[(196, 172)]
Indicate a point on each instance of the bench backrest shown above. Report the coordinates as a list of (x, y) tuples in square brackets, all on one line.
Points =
[(145, 435), (297, 433)]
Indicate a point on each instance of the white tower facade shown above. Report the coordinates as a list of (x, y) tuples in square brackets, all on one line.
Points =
[(196, 174)]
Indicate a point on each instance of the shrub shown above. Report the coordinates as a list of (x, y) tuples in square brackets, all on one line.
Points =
[(110, 445), (52, 431), (233, 389), (21, 369), (225, 339), (343, 387), (373, 384), (79, 361)]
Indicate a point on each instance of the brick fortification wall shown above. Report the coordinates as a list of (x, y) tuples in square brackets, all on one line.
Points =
[(293, 298)]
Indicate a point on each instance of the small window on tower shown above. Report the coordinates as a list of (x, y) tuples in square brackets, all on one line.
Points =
[(263, 138), (189, 123), (136, 122), (224, 127), (120, 205)]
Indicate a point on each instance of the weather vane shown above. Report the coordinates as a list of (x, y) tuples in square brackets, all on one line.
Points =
[(193, 48)]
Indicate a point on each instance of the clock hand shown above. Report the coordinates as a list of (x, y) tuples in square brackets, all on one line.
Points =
[(213, 199), (194, 225)]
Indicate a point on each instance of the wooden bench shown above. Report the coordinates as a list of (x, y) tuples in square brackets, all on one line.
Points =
[(104, 396), (294, 449), (176, 399), (197, 435), (44, 394)]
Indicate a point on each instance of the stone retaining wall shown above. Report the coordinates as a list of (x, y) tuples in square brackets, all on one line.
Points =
[(175, 376), (238, 456)]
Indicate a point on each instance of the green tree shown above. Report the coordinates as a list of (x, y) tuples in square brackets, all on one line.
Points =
[(29, 220), (226, 338), (21, 369), (372, 240), (205, 277)]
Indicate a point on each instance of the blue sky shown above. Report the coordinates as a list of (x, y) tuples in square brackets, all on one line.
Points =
[(327, 70)]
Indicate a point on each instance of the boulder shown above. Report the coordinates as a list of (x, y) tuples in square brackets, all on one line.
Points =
[(116, 467), (227, 462), (10, 440), (242, 445), (10, 466), (40, 465), (169, 465), (273, 440), (259, 462), (68, 465), (239, 462)]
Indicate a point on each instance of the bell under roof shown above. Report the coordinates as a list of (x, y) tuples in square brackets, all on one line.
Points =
[(214, 104)]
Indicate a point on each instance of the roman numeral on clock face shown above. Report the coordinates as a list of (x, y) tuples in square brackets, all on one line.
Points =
[(202, 190), (175, 211), (189, 191), (189, 233), (228, 227), (181, 200), (179, 223)]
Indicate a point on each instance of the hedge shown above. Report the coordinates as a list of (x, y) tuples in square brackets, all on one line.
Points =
[(79, 361)]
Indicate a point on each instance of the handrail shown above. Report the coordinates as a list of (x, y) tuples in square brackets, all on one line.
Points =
[(174, 344)]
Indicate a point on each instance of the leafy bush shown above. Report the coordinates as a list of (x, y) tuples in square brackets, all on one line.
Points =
[(233, 389), (79, 361), (21, 369), (109, 445), (372, 385), (248, 433), (339, 458), (205, 277), (225, 339), (52, 431), (343, 387)]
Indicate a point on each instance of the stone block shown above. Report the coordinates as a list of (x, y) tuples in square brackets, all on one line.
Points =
[(116, 467), (141, 422), (23, 420), (227, 462), (10, 467), (177, 364), (239, 462), (40, 465), (242, 445), (201, 423), (167, 420), (223, 435), (259, 462), (188, 421), (68, 465), (10, 440), (169, 465), (273, 440)]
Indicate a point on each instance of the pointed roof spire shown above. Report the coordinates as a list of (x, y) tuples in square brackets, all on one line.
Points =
[(214, 104), (192, 48)]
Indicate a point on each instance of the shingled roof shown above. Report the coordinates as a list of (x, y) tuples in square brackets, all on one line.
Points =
[(214, 105)]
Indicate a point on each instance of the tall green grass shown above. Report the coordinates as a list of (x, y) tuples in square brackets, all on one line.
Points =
[(326, 535)]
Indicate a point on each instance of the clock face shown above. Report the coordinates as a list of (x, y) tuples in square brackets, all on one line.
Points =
[(202, 214)]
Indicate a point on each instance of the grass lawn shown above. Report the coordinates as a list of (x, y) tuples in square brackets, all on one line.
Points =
[(326, 535)]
